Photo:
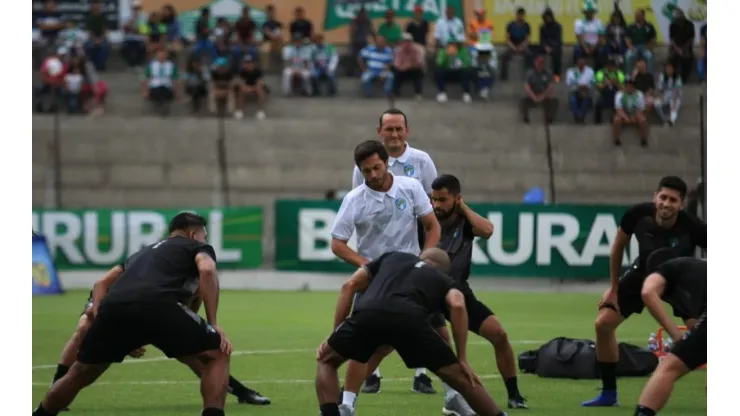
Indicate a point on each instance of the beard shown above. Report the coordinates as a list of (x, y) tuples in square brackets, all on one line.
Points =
[(445, 215)]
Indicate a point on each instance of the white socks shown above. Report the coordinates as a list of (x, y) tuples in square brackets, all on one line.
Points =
[(449, 391), (376, 373), (348, 398), (420, 371)]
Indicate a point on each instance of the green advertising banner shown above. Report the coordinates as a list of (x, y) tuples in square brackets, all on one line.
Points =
[(340, 12), (560, 241), (101, 238)]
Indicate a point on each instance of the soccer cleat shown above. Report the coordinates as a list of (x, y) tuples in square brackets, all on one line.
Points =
[(371, 385), (457, 406), (607, 398), (345, 410), (423, 384), (253, 397), (518, 402)]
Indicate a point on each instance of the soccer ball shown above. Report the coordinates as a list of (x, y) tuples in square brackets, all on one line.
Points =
[(54, 66)]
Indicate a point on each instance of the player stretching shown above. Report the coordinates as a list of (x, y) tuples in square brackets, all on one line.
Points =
[(401, 290), (460, 225), (100, 288), (660, 224), (403, 160), (145, 306)]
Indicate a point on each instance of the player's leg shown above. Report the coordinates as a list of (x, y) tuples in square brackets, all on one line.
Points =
[(688, 354), (454, 404), (69, 353), (609, 318), (243, 393), (366, 377), (474, 394), (422, 383)]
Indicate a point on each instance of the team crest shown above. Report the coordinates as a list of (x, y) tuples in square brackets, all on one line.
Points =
[(674, 242), (401, 203), (409, 170)]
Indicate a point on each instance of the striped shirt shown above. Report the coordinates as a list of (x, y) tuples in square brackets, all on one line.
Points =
[(383, 221), (413, 163), (377, 59)]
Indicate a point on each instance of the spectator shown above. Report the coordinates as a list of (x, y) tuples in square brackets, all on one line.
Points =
[(360, 28), (484, 64), (325, 60), (375, 62), (616, 34), (204, 46), (681, 51), (539, 91), (173, 34), (240, 50), (300, 25), (53, 70), (245, 27), (161, 83), (669, 91), (480, 30), (551, 41), (449, 29), (630, 110), (580, 82), (641, 38), (297, 65), (390, 30), (418, 27), (590, 32), (223, 31), (453, 65), (701, 63), (251, 83), (97, 47), (50, 23), (220, 97), (73, 81), (272, 32), (517, 43), (156, 33), (408, 64), (644, 81), (133, 47), (608, 82), (196, 79), (72, 38)]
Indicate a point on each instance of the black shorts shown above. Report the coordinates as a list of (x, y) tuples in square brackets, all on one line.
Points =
[(477, 310), (692, 348), (119, 329), (629, 294), (411, 335)]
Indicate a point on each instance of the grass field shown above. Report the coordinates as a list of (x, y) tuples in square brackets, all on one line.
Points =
[(276, 334)]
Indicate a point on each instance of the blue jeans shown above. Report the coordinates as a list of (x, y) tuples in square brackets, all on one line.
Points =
[(134, 52), (632, 55), (599, 54), (579, 105), (453, 75), (701, 68), (485, 82), (368, 78), (205, 47), (322, 74), (72, 100), (98, 53)]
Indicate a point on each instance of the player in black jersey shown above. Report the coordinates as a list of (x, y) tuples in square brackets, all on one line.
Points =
[(460, 225), (682, 282), (146, 306), (658, 224), (401, 291)]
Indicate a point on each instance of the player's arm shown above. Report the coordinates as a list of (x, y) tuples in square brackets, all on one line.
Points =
[(344, 226), (652, 290), (482, 227), (424, 211), (209, 287), (357, 283), (459, 321), (196, 302), (622, 239), (102, 286)]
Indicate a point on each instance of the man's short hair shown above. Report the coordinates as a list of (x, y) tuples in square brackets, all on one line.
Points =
[(393, 111), (185, 221), (675, 183), (446, 181), (366, 149)]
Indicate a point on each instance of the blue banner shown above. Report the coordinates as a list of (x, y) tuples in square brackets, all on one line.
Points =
[(45, 280)]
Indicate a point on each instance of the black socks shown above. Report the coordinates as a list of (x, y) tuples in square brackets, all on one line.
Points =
[(512, 388), (40, 411), (236, 388), (61, 371), (329, 409), (644, 411), (608, 375), (212, 411)]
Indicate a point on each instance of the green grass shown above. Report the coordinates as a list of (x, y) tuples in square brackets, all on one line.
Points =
[(277, 333)]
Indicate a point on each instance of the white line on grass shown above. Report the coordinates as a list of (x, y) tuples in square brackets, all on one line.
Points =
[(289, 351)]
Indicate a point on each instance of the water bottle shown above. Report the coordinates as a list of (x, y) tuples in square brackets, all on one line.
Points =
[(667, 344), (653, 343)]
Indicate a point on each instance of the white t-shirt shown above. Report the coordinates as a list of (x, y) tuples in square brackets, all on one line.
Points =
[(383, 221), (590, 29), (413, 163), (73, 82), (446, 31)]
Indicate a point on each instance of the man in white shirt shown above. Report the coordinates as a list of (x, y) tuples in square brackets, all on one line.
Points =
[(449, 29), (580, 81), (297, 65), (590, 32)]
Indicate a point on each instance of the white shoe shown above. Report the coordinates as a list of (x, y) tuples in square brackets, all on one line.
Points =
[(238, 115), (260, 115), (346, 410), (467, 98), (674, 117), (484, 93), (442, 97)]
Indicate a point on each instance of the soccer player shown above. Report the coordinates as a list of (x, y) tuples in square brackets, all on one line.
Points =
[(460, 225), (658, 224), (100, 289), (682, 282), (145, 306), (403, 160), (401, 290)]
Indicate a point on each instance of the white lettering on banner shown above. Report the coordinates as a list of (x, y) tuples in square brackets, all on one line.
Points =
[(349, 10), (90, 244), (216, 239), (604, 224), (63, 240), (479, 256), (563, 243), (310, 233), (525, 242), (137, 237)]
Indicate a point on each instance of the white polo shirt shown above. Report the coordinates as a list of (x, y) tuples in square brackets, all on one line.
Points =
[(383, 221), (413, 163)]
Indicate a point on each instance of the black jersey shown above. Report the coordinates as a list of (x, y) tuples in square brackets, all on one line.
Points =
[(457, 240), (686, 234), (402, 283), (162, 272), (685, 285)]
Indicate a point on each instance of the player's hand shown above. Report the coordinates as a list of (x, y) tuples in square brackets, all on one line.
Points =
[(226, 347), (137, 353), (471, 376), (323, 351), (610, 298)]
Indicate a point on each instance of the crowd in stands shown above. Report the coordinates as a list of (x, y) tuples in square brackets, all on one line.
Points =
[(612, 63)]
